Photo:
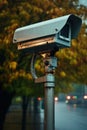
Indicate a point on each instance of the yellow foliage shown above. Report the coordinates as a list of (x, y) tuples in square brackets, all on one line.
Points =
[(38, 65), (62, 74), (74, 43), (13, 65), (6, 40), (22, 73), (29, 76), (73, 62)]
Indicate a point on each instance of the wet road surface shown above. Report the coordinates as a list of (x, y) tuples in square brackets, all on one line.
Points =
[(69, 117)]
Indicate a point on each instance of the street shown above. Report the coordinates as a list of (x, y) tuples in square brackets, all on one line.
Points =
[(67, 117), (70, 117)]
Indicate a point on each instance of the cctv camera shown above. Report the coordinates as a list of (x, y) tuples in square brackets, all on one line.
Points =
[(48, 35)]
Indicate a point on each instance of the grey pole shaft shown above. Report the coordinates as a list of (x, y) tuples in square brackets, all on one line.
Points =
[(49, 108)]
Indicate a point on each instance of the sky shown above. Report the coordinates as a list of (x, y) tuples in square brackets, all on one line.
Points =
[(83, 2)]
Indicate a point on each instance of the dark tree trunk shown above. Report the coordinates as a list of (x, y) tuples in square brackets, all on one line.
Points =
[(36, 103), (24, 111), (5, 101)]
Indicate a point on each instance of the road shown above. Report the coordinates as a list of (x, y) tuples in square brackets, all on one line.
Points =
[(70, 117), (67, 117)]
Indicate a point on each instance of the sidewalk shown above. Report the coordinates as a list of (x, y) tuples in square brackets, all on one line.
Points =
[(34, 120)]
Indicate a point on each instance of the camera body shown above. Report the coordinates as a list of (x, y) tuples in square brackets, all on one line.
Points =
[(48, 35)]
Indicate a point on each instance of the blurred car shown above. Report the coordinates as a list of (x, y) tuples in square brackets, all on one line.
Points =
[(76, 99), (73, 99)]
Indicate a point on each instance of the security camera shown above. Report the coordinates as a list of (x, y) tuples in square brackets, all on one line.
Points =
[(48, 35)]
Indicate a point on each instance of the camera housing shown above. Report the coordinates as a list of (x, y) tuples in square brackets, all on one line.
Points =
[(48, 35)]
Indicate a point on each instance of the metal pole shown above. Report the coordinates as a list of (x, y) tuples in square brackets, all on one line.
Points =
[(49, 108), (49, 83), (50, 65)]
